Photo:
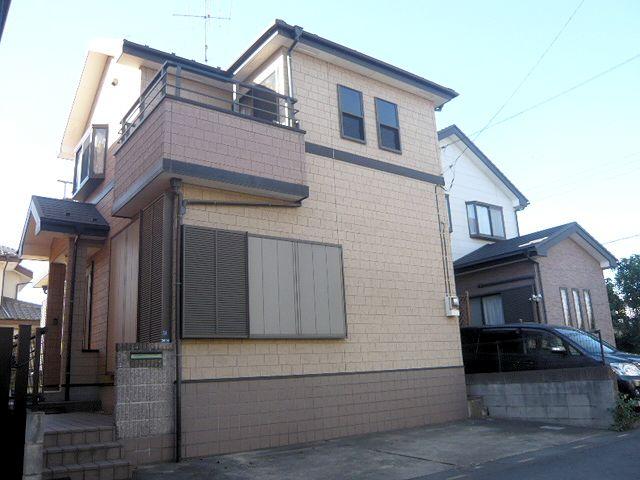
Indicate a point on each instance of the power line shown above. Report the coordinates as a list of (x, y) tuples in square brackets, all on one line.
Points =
[(515, 91), (621, 239), (556, 96)]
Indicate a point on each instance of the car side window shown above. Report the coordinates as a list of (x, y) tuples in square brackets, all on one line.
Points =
[(540, 342)]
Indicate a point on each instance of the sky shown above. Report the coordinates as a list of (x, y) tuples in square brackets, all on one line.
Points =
[(575, 157)]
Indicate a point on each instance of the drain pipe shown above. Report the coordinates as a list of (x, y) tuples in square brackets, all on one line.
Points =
[(296, 38), (176, 188), (72, 294)]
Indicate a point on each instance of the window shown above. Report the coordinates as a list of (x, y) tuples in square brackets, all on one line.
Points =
[(566, 310), (90, 160), (577, 307), (351, 114), (485, 221), (487, 310), (589, 308), (388, 125), (237, 285), (446, 197)]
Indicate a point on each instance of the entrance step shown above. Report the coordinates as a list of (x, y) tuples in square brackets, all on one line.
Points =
[(69, 406), (84, 453)]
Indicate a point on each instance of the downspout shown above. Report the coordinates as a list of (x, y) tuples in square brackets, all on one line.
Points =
[(542, 310), (176, 188), (4, 269), (297, 34), (72, 294)]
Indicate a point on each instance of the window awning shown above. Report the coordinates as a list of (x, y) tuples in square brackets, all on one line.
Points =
[(50, 218)]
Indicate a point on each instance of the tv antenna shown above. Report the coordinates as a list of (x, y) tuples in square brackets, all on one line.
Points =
[(206, 17)]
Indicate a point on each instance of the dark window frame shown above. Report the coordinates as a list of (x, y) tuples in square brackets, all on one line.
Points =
[(588, 308), (488, 206), (448, 201), (86, 151), (379, 124), (567, 317), (362, 140)]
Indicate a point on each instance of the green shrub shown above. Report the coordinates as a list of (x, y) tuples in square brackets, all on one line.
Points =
[(625, 413)]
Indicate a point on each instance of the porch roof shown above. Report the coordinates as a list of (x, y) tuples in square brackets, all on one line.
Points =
[(48, 218), (12, 309)]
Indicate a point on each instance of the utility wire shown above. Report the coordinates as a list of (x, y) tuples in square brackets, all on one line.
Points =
[(452, 166), (556, 96), (621, 239)]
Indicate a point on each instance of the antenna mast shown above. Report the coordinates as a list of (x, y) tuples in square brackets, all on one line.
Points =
[(206, 17)]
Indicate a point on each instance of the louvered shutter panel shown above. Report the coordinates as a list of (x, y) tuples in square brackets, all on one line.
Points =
[(231, 283), (214, 284), (517, 304), (154, 295)]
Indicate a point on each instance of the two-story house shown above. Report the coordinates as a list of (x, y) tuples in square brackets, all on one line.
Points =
[(551, 276), (269, 238)]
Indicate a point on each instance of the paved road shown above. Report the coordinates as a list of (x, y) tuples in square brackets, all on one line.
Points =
[(598, 458)]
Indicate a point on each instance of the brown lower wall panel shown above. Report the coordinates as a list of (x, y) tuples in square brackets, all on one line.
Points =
[(222, 416)]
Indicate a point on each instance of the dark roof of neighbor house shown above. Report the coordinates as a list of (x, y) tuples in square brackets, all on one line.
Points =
[(68, 216), (12, 309), (315, 41), (4, 12), (532, 244), (454, 130)]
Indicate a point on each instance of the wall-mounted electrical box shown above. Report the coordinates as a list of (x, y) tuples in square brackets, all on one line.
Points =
[(452, 306)]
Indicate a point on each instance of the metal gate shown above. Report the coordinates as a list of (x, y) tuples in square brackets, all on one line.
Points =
[(20, 379)]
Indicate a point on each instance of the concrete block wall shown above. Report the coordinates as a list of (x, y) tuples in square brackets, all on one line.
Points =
[(575, 396), (144, 411)]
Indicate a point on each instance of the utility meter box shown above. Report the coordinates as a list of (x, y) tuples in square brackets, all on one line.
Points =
[(452, 306)]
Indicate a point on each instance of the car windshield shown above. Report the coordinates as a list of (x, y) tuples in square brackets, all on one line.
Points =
[(585, 340)]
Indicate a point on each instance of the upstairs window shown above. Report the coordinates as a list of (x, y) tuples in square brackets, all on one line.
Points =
[(388, 125), (91, 157), (351, 114), (485, 221)]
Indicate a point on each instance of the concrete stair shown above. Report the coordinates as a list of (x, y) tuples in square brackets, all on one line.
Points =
[(84, 453)]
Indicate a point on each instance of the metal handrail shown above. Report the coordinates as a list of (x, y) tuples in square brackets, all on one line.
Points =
[(159, 86)]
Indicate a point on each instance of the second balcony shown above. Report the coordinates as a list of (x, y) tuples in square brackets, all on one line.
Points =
[(212, 131)]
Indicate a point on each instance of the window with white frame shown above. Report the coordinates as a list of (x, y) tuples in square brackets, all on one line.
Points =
[(485, 221), (566, 308), (588, 306), (577, 306)]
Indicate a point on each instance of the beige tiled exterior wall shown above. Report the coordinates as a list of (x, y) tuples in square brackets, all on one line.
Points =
[(568, 265), (388, 228), (315, 86)]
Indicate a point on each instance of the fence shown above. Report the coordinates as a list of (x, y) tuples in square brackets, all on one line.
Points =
[(210, 90), (20, 386)]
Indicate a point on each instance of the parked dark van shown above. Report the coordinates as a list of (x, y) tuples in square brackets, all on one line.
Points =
[(533, 346)]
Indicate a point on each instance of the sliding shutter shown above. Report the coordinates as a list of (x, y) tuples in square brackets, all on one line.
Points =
[(154, 294), (214, 284), (295, 289)]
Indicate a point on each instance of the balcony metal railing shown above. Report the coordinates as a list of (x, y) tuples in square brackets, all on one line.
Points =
[(209, 90)]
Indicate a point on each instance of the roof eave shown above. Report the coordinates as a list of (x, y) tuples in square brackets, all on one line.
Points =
[(452, 130)]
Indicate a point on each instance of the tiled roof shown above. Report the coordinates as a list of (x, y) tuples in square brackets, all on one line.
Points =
[(12, 309), (69, 216), (4, 250), (536, 243)]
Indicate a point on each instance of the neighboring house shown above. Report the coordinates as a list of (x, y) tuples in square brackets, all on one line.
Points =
[(13, 278), (550, 276), (278, 224)]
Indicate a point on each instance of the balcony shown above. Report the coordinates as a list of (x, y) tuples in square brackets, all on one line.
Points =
[(211, 131)]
